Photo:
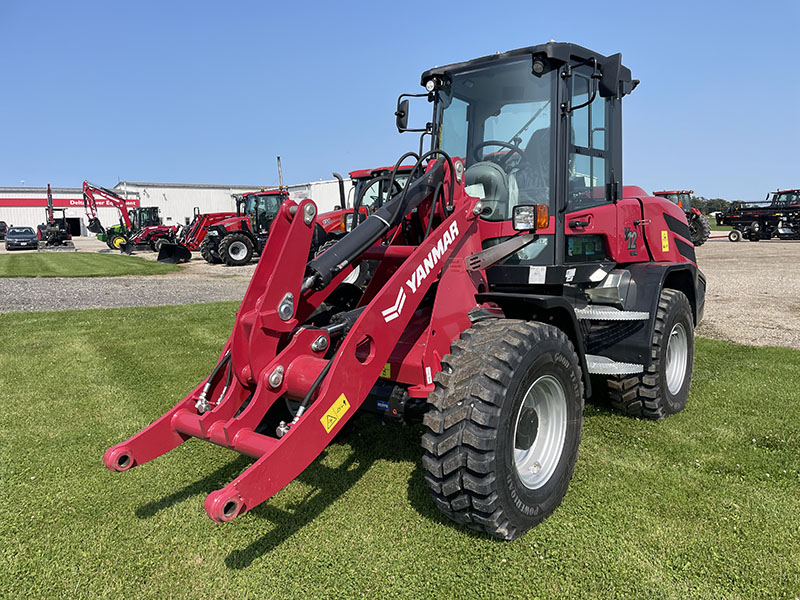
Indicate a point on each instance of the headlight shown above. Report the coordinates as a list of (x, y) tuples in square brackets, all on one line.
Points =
[(213, 233)]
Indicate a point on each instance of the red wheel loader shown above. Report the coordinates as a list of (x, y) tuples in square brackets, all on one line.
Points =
[(504, 280)]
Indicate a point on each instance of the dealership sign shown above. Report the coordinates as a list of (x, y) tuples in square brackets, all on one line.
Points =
[(61, 202)]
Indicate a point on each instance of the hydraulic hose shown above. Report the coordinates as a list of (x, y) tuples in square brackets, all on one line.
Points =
[(326, 266)]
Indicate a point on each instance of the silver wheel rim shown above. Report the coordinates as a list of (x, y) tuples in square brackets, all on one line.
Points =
[(237, 250), (353, 276), (677, 358), (539, 431)]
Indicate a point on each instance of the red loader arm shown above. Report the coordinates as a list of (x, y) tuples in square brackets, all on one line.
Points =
[(271, 354)]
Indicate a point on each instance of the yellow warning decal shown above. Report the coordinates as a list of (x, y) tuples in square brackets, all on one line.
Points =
[(335, 412), (664, 241), (386, 371)]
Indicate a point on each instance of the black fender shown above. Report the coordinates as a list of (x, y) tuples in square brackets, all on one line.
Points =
[(629, 341), (553, 310)]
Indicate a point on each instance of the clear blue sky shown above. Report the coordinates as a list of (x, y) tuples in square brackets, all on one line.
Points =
[(211, 92)]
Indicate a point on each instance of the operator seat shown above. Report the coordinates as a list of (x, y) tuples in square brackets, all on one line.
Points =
[(495, 188), (533, 176)]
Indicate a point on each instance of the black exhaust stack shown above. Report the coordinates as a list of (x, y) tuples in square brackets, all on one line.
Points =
[(342, 195)]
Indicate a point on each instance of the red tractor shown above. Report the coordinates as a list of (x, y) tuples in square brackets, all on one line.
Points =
[(191, 238), (699, 227), (138, 227), (235, 240), (504, 281)]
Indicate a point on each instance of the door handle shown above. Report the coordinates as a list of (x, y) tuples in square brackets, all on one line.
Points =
[(579, 223)]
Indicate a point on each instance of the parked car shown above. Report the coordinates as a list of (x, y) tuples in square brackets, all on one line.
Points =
[(21, 238), (3, 230)]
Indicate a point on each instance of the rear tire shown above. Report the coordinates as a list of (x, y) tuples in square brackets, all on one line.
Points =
[(503, 426), (664, 388), (209, 253), (700, 230), (236, 249)]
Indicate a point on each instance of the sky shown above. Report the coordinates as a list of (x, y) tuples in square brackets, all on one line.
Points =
[(212, 92)]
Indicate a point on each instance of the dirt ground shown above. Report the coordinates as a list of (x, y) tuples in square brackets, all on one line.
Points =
[(753, 292)]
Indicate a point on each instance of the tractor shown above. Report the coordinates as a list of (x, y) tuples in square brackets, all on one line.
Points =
[(235, 240), (778, 217), (192, 237), (699, 226), (505, 281), (139, 227)]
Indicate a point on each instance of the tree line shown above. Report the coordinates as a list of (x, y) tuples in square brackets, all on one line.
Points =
[(709, 205)]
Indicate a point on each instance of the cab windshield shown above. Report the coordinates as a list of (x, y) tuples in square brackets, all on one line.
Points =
[(785, 199), (497, 119), (258, 204), (375, 196)]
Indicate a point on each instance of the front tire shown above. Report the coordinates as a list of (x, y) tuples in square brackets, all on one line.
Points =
[(734, 235), (209, 252), (503, 426), (117, 242), (664, 388), (236, 249)]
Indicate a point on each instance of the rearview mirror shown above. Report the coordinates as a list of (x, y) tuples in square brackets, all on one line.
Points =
[(610, 80), (401, 116)]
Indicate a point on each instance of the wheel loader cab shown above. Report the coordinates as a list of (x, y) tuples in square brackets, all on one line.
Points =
[(535, 126)]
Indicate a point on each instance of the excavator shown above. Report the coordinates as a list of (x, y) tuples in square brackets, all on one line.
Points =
[(141, 230), (54, 235), (514, 271)]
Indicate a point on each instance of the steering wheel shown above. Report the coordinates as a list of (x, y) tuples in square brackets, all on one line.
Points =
[(503, 162)]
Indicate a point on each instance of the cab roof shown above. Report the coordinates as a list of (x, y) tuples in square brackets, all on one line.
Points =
[(370, 173), (557, 52), (673, 192)]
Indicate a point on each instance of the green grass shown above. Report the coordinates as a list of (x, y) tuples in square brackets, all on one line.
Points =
[(701, 505), (78, 264), (715, 227)]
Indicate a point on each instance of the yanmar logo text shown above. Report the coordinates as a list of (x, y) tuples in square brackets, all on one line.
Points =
[(422, 271)]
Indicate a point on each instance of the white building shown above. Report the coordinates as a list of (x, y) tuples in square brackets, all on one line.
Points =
[(25, 206)]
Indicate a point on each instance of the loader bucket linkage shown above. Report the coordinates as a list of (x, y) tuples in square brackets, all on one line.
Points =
[(272, 354)]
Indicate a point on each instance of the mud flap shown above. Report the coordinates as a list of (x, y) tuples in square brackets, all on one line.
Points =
[(174, 254)]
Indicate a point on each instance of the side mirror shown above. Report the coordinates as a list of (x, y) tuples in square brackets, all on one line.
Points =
[(530, 217), (401, 115), (609, 82)]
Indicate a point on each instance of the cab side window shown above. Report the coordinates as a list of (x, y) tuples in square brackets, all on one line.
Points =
[(588, 156)]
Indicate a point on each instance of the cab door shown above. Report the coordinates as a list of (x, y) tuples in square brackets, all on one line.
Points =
[(590, 226)]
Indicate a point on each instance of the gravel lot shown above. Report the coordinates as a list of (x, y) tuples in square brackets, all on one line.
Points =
[(753, 292), (753, 289), (197, 282)]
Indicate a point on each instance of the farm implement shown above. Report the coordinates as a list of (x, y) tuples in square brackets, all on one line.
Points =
[(504, 280), (778, 217)]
